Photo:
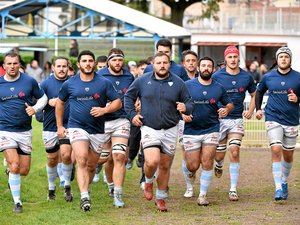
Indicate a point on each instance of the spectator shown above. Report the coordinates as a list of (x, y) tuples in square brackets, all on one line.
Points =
[(34, 70), (263, 69), (132, 68), (47, 68), (2, 70), (254, 73), (74, 50), (220, 65)]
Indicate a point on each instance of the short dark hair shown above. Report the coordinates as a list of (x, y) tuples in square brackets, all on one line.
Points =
[(206, 58), (115, 51), (159, 54), (101, 58), (11, 54), (164, 42), (141, 62), (85, 52), (188, 52), (60, 57)]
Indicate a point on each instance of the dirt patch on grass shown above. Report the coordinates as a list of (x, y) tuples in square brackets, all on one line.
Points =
[(255, 188)]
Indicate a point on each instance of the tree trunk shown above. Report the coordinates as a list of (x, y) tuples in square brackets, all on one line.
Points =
[(177, 15)]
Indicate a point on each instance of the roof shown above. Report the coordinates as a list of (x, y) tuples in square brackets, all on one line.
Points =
[(134, 17), (131, 23), (216, 43), (6, 47)]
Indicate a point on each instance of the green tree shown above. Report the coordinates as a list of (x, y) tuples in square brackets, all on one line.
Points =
[(178, 8)]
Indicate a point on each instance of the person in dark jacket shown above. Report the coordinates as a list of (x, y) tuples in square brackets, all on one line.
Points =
[(163, 96)]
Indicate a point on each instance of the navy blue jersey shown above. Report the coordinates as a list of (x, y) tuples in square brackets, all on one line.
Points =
[(205, 113), (236, 87), (278, 108), (13, 96), (82, 96), (158, 100), (121, 83), (51, 86), (175, 68)]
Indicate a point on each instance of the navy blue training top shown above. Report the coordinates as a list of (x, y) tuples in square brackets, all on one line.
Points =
[(236, 87), (205, 114), (121, 83), (51, 86), (158, 100), (278, 108)]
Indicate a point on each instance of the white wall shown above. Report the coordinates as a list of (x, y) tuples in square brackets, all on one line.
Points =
[(292, 43)]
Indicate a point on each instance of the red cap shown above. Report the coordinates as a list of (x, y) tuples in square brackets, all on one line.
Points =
[(231, 49)]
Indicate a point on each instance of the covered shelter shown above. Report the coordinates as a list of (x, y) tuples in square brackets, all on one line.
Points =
[(83, 19)]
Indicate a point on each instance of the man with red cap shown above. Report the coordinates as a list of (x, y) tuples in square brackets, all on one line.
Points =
[(236, 82)]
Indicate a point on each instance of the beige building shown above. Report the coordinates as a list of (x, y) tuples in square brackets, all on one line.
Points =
[(258, 28)]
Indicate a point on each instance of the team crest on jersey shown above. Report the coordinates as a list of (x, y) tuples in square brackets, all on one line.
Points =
[(233, 82), (149, 82), (170, 83), (282, 83), (87, 89), (12, 89), (117, 82), (204, 92)]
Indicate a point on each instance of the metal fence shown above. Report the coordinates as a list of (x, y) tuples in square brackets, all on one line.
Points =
[(255, 130), (237, 19), (255, 133)]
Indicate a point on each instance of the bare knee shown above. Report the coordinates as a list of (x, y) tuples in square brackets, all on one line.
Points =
[(24, 171), (119, 158), (193, 166), (82, 161), (14, 167), (152, 164), (52, 159)]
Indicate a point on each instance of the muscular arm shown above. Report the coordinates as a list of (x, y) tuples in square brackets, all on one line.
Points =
[(223, 112), (248, 114), (40, 104), (258, 100), (59, 115), (110, 108), (114, 106)]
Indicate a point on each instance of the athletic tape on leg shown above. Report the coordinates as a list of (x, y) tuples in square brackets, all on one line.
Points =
[(119, 149)]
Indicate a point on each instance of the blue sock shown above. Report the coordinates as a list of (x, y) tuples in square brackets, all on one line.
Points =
[(286, 169), (60, 172), (51, 174), (234, 170), (14, 181), (205, 180), (185, 175), (277, 174), (67, 170)]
